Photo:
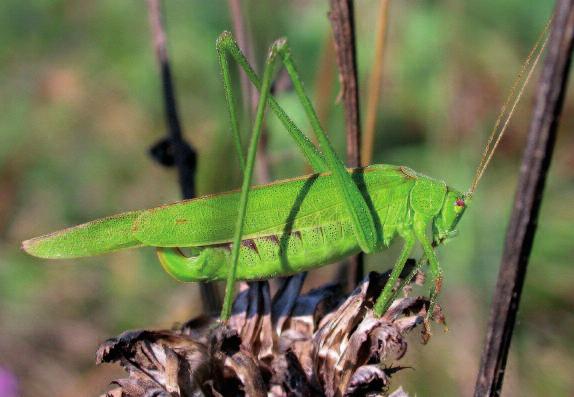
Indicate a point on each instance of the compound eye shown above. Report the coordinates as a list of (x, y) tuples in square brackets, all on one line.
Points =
[(458, 205)]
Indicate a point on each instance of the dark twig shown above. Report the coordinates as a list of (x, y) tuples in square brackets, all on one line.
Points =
[(174, 150), (520, 234), (342, 22), (183, 155), (341, 15)]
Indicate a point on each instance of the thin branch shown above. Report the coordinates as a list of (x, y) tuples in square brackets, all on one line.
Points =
[(375, 82), (324, 83), (179, 149), (341, 15), (324, 80), (174, 150), (249, 93), (342, 22), (520, 234)]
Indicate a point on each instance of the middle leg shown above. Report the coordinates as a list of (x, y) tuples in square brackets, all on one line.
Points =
[(386, 297)]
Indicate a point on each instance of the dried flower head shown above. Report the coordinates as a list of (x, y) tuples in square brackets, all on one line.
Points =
[(314, 344)]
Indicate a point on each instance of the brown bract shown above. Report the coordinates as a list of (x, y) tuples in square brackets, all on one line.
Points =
[(314, 344)]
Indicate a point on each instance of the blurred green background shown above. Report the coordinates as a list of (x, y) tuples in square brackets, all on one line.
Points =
[(80, 105)]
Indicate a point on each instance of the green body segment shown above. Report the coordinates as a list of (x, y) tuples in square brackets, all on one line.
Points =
[(290, 225), (295, 225), (264, 257)]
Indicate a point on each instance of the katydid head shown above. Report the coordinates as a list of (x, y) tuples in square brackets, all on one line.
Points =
[(453, 207)]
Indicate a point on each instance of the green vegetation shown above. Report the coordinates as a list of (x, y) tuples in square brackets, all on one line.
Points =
[(81, 105)]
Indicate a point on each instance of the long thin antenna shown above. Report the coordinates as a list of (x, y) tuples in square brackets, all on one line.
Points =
[(497, 130)]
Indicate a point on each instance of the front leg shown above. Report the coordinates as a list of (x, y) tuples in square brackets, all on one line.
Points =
[(386, 297), (434, 265)]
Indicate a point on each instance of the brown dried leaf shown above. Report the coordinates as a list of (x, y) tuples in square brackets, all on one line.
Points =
[(252, 319), (331, 340), (285, 299), (366, 380), (245, 367), (198, 328), (137, 386), (289, 376), (160, 360), (354, 338), (238, 368), (310, 308)]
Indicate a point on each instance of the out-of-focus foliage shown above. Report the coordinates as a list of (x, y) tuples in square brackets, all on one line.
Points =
[(81, 104)]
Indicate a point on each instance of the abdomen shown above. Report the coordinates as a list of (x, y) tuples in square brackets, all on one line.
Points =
[(269, 256)]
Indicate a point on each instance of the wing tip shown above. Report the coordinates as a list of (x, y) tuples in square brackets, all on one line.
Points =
[(25, 245), (30, 247)]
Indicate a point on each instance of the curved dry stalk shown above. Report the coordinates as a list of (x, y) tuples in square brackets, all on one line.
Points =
[(324, 80), (375, 82)]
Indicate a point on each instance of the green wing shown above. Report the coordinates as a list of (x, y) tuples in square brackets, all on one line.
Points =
[(294, 204), (92, 238)]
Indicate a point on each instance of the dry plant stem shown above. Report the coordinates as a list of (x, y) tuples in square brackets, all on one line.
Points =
[(249, 93), (183, 154), (324, 84), (520, 234), (324, 80), (375, 82), (341, 14), (342, 21)]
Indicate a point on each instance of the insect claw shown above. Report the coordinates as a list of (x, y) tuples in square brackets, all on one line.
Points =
[(280, 44), (224, 37)]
